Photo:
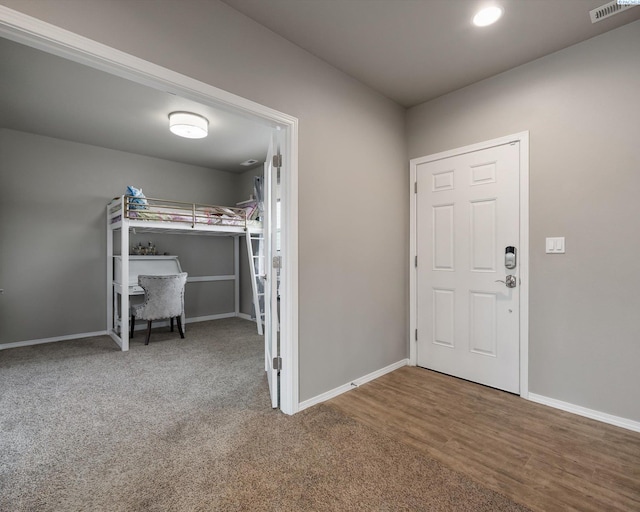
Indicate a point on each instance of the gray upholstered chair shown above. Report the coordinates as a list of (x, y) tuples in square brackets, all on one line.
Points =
[(163, 298)]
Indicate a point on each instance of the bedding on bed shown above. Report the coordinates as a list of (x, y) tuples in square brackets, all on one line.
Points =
[(139, 207), (135, 206), (202, 216)]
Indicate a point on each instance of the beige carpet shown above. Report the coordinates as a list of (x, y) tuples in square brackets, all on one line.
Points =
[(186, 426)]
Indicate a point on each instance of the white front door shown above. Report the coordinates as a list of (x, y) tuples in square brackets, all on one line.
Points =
[(467, 218)]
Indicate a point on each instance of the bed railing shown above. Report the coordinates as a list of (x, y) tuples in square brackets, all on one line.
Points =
[(164, 210)]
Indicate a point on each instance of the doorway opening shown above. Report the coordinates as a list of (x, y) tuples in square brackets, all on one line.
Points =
[(32, 33)]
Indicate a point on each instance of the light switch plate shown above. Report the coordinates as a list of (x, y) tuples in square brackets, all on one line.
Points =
[(555, 245)]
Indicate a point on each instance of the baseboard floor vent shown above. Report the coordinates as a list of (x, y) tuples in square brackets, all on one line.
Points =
[(608, 10)]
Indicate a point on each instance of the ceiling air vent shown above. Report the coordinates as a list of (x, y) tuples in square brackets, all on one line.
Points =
[(607, 10)]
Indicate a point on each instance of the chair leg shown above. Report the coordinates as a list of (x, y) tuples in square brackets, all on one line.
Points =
[(179, 318), (133, 323), (171, 320), (148, 332)]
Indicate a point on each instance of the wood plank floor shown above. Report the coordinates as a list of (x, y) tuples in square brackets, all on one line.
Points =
[(538, 456)]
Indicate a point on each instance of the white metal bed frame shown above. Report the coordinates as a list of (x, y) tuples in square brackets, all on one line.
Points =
[(123, 216)]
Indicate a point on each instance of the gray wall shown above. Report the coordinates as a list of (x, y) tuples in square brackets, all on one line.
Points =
[(352, 156), (582, 107), (53, 195), (246, 291), (246, 182)]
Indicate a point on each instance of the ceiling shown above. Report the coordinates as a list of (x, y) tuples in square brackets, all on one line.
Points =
[(415, 50), (408, 50), (52, 96)]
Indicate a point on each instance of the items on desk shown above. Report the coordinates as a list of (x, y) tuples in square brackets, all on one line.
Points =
[(142, 250)]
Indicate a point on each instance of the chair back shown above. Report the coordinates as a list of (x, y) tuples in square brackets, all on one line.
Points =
[(164, 296)]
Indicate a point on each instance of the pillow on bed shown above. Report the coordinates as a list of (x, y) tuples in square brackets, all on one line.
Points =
[(138, 202)]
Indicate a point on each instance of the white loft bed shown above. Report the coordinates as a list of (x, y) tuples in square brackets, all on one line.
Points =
[(126, 213)]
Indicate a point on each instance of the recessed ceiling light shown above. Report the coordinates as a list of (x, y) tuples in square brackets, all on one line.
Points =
[(487, 16)]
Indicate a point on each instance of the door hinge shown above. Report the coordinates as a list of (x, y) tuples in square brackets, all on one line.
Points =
[(416, 334), (277, 363), (416, 262), (277, 262), (415, 187), (277, 160)]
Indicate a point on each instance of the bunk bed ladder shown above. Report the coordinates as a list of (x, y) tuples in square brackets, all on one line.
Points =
[(255, 251)]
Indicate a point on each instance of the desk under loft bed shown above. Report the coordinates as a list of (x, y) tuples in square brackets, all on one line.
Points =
[(125, 213)]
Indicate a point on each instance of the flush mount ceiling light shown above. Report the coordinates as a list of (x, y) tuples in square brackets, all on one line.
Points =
[(186, 124), (487, 16)]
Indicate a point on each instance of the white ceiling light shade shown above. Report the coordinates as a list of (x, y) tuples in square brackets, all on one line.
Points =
[(487, 16), (186, 124)]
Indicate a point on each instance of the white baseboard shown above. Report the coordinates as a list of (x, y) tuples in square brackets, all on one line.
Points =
[(244, 316), (141, 326), (219, 316), (27, 343), (587, 413), (351, 385)]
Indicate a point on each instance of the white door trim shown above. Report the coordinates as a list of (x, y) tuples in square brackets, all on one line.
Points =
[(33, 32), (523, 139)]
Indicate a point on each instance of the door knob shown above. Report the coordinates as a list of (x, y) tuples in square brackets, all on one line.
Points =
[(509, 281)]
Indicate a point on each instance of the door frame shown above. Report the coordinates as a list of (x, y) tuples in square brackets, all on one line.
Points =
[(38, 34), (523, 250)]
